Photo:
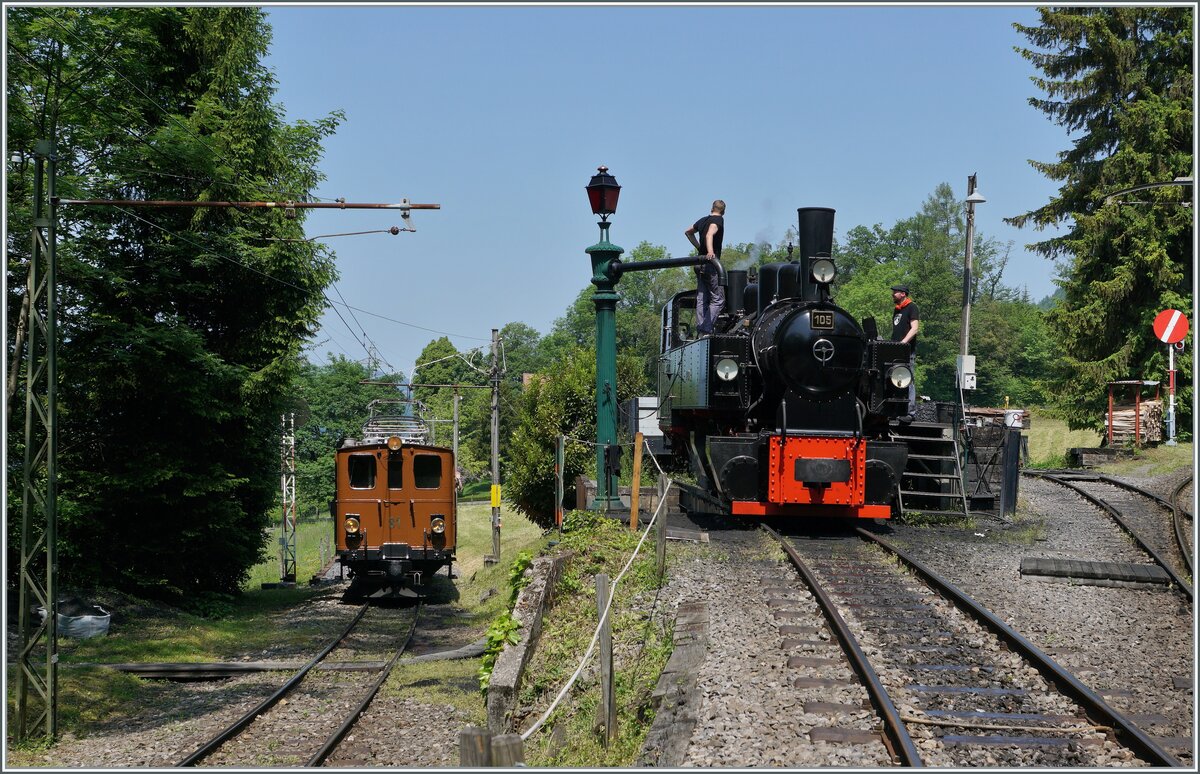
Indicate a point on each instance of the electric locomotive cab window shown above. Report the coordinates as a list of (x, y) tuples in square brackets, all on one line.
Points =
[(362, 471), (396, 470), (427, 471)]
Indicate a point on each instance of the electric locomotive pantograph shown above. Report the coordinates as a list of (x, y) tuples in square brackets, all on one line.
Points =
[(395, 504), (785, 409)]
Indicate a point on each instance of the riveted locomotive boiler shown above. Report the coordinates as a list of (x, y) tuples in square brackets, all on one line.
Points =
[(784, 410)]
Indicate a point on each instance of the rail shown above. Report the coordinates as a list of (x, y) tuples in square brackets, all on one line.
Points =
[(234, 728), (897, 733), (336, 737), (1057, 477), (1177, 523), (1129, 734)]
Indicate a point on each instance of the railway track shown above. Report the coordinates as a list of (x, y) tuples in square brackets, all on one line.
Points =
[(313, 731), (1156, 524), (951, 684)]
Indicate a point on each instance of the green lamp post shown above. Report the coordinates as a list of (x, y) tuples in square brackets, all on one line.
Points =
[(602, 193)]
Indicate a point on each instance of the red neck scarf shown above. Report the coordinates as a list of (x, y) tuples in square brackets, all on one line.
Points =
[(903, 303)]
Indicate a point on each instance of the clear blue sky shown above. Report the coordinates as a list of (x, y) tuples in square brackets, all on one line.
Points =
[(502, 114)]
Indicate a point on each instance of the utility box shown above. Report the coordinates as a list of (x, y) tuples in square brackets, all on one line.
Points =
[(965, 371), (640, 415)]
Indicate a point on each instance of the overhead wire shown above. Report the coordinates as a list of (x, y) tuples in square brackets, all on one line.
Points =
[(122, 124), (284, 282), (363, 330)]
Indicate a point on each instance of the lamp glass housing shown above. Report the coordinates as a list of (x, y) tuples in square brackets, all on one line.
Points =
[(603, 192), (824, 270)]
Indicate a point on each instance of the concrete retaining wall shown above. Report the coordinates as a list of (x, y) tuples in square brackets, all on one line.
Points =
[(532, 603)]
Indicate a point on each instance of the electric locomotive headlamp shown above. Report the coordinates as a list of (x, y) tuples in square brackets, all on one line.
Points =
[(824, 270), (394, 443), (351, 526), (727, 369), (438, 525), (900, 376)]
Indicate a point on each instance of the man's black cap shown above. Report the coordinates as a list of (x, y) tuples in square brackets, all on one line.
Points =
[(901, 288)]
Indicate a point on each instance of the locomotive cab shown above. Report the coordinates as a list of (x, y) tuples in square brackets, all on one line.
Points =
[(394, 513)]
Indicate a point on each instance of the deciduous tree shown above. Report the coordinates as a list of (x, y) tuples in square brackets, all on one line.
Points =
[(180, 328)]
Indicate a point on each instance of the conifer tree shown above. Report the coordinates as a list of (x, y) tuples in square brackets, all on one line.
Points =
[(1121, 81)]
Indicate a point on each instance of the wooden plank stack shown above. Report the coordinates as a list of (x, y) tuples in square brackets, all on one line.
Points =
[(1151, 429)]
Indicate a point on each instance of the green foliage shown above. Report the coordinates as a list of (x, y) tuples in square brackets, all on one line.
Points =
[(180, 328), (926, 251), (212, 605), (643, 295), (517, 579), (1121, 80), (441, 363), (502, 631), (642, 643), (561, 402)]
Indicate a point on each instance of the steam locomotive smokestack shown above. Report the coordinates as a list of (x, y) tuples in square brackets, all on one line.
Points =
[(736, 291), (816, 239)]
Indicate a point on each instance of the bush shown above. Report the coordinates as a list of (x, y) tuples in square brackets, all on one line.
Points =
[(559, 402)]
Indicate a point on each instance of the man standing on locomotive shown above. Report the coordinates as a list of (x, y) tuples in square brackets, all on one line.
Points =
[(906, 321), (710, 296)]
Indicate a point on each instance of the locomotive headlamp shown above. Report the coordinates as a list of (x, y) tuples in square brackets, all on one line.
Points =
[(900, 376), (438, 525), (394, 443), (351, 526), (824, 270), (727, 369)]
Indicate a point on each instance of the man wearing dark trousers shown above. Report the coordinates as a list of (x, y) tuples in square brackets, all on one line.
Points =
[(706, 236), (906, 321)]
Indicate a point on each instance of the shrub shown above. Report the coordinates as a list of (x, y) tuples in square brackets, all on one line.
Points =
[(559, 402)]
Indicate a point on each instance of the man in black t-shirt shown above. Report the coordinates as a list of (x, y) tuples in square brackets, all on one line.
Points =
[(906, 321), (706, 236)]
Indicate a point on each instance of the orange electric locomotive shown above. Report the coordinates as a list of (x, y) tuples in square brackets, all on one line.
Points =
[(394, 508)]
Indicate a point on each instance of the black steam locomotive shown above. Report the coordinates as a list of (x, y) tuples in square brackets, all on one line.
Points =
[(784, 410)]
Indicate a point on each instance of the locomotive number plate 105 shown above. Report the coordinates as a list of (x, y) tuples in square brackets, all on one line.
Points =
[(822, 321)]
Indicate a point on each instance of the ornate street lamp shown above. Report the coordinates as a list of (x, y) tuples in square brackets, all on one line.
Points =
[(602, 193)]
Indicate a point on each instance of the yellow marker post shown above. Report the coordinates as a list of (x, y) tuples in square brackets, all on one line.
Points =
[(495, 495)]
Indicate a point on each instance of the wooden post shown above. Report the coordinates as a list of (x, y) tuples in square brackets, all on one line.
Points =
[(660, 530), (1110, 414), (560, 455), (508, 751), (607, 715), (636, 487), (474, 747), (1137, 416)]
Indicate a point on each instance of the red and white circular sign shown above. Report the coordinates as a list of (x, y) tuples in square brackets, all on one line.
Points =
[(1171, 326)]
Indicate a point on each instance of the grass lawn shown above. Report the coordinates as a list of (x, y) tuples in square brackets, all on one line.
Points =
[(1153, 461), (314, 547), (1050, 438)]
